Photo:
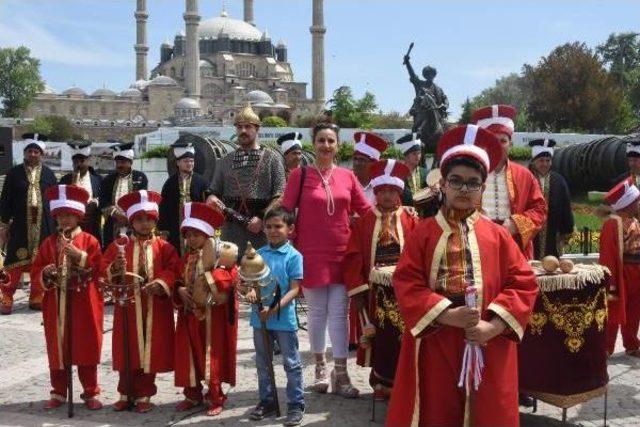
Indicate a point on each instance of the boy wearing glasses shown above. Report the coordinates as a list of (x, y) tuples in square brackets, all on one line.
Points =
[(513, 197), (377, 239), (447, 257)]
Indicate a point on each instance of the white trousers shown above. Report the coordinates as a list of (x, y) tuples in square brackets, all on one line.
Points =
[(328, 308)]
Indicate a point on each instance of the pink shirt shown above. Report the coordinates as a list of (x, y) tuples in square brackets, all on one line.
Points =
[(322, 239)]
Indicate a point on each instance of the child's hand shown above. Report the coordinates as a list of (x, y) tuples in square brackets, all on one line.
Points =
[(460, 317), (154, 288), (265, 313), (186, 297), (484, 331), (251, 297), (73, 253)]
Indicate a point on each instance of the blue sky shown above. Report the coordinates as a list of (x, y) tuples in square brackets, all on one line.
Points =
[(89, 43)]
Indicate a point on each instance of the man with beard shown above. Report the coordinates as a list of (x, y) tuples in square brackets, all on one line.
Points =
[(558, 228), (85, 176), (25, 219), (123, 181), (184, 186), (245, 183)]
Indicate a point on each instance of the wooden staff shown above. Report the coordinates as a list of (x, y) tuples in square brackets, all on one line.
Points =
[(267, 345)]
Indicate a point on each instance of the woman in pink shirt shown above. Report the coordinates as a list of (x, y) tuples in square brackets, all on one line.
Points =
[(325, 196)]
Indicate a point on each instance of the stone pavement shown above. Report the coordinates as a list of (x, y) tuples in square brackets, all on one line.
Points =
[(24, 387)]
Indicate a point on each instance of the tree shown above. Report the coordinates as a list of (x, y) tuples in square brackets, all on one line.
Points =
[(57, 128), (274, 122), (467, 111), (570, 89), (391, 120), (19, 80), (621, 52), (512, 89), (349, 112)]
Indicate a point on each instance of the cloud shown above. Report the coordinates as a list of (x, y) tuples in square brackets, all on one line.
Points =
[(49, 47)]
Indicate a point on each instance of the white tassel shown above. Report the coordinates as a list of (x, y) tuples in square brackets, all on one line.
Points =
[(472, 358)]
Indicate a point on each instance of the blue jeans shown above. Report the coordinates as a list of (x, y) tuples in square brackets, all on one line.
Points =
[(288, 342)]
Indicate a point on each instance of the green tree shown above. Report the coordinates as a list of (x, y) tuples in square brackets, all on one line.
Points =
[(348, 112), (274, 122), (57, 128), (467, 111), (19, 80), (391, 120), (570, 89), (621, 53), (512, 89)]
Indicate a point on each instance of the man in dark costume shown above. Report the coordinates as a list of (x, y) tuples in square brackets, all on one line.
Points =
[(25, 219), (85, 176), (559, 226), (118, 183), (182, 187)]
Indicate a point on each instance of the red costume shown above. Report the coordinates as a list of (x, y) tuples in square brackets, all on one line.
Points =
[(525, 205), (445, 255), (620, 253), (150, 324), (377, 239), (206, 342), (77, 281)]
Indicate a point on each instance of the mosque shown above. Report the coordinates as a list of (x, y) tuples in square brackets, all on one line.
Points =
[(209, 70)]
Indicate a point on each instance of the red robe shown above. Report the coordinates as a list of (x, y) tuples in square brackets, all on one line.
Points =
[(426, 385), (213, 340), (150, 317), (87, 305), (528, 207), (611, 253), (361, 252)]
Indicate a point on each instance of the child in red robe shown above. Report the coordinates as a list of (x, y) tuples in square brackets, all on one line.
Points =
[(448, 257), (147, 264), (377, 239), (207, 329), (66, 267), (620, 252)]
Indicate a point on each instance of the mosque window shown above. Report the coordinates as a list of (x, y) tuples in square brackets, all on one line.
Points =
[(173, 72), (103, 110), (85, 110), (72, 110), (212, 90), (53, 109), (245, 69)]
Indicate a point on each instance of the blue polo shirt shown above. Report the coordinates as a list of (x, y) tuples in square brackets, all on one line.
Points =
[(285, 263)]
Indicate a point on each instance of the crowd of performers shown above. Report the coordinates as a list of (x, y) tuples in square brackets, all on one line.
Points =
[(435, 303)]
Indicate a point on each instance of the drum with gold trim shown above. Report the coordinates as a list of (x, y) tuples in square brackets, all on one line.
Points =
[(562, 357)]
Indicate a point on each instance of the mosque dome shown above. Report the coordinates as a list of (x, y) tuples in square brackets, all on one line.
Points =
[(74, 91), (187, 104), (103, 92), (235, 29), (140, 84), (163, 81), (258, 97), (205, 64), (131, 93), (48, 90)]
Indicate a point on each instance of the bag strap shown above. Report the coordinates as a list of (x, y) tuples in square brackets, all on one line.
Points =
[(303, 175)]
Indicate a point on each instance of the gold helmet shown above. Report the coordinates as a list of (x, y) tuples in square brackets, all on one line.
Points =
[(227, 254), (247, 116), (252, 267)]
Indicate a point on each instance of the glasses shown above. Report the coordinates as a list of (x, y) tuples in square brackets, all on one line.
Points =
[(457, 184)]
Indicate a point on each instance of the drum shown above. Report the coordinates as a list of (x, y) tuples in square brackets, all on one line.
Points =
[(562, 357), (389, 326), (427, 200)]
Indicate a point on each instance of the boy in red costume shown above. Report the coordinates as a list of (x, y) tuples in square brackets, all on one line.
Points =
[(66, 267), (207, 329), (147, 264), (377, 239)]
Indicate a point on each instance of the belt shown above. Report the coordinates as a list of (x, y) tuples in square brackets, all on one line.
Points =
[(631, 258)]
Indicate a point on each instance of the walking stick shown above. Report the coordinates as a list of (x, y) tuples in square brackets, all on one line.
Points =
[(267, 346), (69, 366), (124, 305)]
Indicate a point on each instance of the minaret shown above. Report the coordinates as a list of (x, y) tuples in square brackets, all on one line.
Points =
[(192, 70), (248, 11), (141, 47), (317, 52)]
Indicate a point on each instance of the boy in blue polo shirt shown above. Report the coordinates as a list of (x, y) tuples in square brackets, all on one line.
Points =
[(285, 263)]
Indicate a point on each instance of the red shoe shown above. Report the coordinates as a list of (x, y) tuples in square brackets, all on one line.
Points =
[(6, 304), (214, 411), (187, 404), (35, 306), (143, 406), (53, 403), (93, 404), (381, 393), (121, 405)]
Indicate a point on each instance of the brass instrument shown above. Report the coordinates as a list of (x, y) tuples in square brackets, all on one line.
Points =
[(118, 289)]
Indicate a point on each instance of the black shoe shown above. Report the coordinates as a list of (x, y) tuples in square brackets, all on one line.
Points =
[(353, 347), (525, 401), (262, 411), (276, 348), (294, 417)]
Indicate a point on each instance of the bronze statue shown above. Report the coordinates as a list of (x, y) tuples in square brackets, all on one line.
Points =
[(429, 109)]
